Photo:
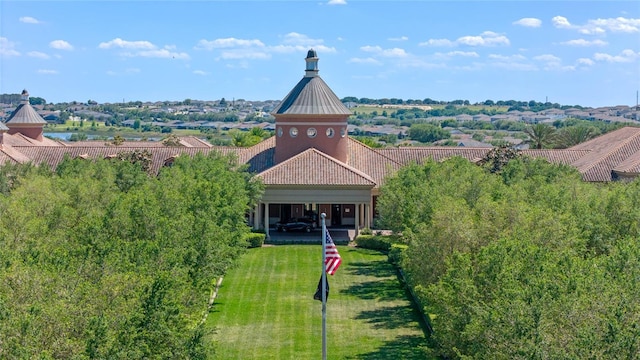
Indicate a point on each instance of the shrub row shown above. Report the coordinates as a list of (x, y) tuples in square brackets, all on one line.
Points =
[(254, 239)]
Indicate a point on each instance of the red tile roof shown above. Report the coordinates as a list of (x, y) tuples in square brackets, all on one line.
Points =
[(314, 168)]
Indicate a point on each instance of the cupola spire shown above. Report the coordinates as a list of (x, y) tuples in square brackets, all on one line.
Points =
[(312, 64)]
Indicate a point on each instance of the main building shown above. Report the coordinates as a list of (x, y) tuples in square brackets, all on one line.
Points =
[(311, 165)]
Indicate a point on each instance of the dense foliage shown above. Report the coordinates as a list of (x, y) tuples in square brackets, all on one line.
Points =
[(100, 260), (528, 262)]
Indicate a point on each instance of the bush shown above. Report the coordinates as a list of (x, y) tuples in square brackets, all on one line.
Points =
[(255, 240), (396, 253), (374, 242)]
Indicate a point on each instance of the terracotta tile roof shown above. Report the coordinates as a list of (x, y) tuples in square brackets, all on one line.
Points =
[(608, 152), (314, 168), (630, 165), (19, 139), (25, 114), (194, 141), (10, 154), (311, 96), (371, 161), (52, 156), (564, 156), (107, 143), (260, 156), (407, 155)]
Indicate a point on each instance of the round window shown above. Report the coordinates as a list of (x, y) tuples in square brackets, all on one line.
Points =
[(330, 132), (280, 131), (311, 132), (343, 132), (293, 132)]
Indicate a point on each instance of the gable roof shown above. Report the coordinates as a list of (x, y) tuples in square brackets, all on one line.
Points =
[(607, 152), (312, 167)]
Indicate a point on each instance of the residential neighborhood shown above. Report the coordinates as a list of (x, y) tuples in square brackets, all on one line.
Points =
[(245, 115)]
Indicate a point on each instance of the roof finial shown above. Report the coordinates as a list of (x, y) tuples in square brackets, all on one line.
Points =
[(24, 97), (312, 63)]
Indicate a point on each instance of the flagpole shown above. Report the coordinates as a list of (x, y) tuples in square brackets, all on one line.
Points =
[(324, 288)]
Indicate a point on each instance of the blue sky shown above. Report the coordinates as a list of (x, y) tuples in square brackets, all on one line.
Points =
[(568, 52)]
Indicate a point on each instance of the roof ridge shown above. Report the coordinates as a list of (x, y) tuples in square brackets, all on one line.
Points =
[(317, 152), (375, 151), (344, 165)]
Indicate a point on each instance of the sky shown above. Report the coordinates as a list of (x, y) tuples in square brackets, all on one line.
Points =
[(568, 52)]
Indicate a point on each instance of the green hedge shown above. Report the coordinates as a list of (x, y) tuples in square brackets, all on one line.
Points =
[(396, 253), (255, 239), (374, 242)]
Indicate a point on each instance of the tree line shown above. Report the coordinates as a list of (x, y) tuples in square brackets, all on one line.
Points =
[(101, 260), (519, 258)]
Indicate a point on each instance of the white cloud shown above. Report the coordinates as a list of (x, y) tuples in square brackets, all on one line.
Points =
[(547, 58), (60, 45), (585, 61), (618, 24), (368, 60), (515, 57), (29, 20), (457, 53), (288, 49), (369, 48), (295, 38), (228, 43), (516, 62), (162, 53), (401, 38), (561, 22), (337, 2), (124, 44), (599, 26), (394, 52), (487, 38), (235, 54), (47, 72), (7, 48), (528, 22), (437, 42), (583, 42), (463, 53), (625, 56), (200, 72), (38, 54), (144, 48)]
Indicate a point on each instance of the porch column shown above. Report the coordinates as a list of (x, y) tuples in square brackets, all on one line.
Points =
[(254, 216), (357, 217), (266, 220), (367, 216)]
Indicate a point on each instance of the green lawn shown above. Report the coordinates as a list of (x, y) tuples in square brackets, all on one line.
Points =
[(265, 308)]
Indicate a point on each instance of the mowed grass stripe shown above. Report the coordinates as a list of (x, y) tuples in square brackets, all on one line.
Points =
[(265, 308)]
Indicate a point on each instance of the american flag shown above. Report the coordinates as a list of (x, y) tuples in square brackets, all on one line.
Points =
[(332, 258)]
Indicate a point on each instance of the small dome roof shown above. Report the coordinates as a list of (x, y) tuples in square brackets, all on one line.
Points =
[(25, 113), (311, 95)]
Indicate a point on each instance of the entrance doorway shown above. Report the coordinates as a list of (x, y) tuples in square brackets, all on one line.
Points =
[(336, 214)]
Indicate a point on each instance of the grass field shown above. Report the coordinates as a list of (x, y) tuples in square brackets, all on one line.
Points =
[(265, 308)]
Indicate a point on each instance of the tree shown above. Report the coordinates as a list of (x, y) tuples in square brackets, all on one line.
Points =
[(541, 136), (427, 133), (574, 135)]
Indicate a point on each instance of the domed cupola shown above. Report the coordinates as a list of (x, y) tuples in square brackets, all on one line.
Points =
[(25, 119), (311, 116)]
